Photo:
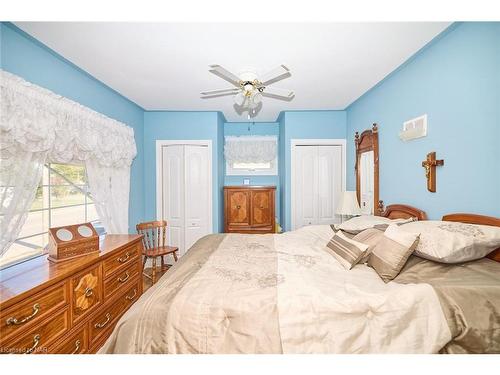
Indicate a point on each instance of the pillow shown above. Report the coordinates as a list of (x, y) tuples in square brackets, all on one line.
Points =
[(346, 251), (390, 254), (360, 223), (451, 242), (369, 237)]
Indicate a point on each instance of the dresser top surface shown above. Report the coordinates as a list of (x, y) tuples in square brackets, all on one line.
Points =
[(25, 276)]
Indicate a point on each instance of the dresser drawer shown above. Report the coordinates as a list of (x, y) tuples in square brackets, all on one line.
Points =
[(121, 259), (108, 316), (75, 343), (32, 310), (38, 339), (114, 284), (86, 288)]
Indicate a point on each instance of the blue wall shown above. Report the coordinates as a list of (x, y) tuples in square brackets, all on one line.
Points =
[(455, 80), (26, 57), (257, 128), (173, 125), (304, 125)]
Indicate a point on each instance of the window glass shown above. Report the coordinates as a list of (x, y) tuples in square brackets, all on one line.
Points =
[(62, 198)]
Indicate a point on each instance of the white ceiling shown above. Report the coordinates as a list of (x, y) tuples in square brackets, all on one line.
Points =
[(164, 66)]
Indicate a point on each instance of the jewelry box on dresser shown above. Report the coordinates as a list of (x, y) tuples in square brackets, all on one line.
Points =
[(72, 306)]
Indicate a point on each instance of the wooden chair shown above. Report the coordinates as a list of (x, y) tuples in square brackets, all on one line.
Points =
[(154, 242)]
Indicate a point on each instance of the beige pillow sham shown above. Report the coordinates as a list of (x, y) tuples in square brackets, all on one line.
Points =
[(346, 251), (451, 242), (369, 237), (391, 252), (360, 223)]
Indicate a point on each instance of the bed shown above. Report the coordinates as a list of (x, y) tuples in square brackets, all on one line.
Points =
[(283, 293)]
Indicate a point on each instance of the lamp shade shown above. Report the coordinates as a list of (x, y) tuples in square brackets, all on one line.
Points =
[(348, 204)]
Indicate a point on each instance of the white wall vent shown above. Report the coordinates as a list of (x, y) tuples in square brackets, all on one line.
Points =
[(414, 128)]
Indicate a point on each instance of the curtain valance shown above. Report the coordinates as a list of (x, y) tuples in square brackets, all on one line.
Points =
[(35, 119), (37, 127), (250, 149)]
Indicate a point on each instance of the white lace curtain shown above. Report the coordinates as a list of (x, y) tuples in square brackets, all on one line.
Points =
[(250, 149), (38, 126)]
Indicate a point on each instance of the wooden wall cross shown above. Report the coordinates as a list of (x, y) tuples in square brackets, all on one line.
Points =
[(430, 165)]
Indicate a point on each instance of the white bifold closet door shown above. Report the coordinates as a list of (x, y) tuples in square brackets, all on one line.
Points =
[(317, 184), (186, 199)]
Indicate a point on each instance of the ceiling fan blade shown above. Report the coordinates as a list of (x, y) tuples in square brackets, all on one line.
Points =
[(275, 75), (220, 91), (276, 92), (217, 95), (224, 73)]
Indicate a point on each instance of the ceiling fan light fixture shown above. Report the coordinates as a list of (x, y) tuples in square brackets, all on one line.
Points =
[(239, 98), (257, 98)]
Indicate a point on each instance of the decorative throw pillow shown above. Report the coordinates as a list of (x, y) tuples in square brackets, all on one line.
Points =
[(360, 223), (346, 251), (369, 237), (391, 252), (451, 242)]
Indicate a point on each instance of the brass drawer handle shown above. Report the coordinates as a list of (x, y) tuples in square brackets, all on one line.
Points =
[(77, 346), (122, 280), (103, 324), (130, 298), (36, 341), (238, 207), (88, 292), (14, 321), (122, 259)]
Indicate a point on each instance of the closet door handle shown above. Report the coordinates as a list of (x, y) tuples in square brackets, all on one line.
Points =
[(238, 207)]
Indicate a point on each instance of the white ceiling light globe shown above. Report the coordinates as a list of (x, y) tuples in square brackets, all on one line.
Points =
[(257, 97), (239, 99)]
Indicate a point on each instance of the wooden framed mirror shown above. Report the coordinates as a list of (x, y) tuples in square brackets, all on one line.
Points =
[(367, 178)]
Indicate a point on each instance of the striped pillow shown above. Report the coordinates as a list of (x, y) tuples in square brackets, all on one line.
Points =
[(369, 237), (391, 252), (346, 251)]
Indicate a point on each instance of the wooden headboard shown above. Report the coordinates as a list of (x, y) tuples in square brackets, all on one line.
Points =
[(477, 219), (401, 211)]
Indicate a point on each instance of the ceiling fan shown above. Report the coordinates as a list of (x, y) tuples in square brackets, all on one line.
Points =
[(249, 88)]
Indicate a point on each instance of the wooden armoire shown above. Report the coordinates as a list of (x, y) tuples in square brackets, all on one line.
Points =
[(249, 209)]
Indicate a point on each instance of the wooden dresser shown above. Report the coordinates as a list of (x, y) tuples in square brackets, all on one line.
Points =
[(249, 209), (69, 307)]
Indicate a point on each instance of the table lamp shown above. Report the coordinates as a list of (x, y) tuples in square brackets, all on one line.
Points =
[(348, 205)]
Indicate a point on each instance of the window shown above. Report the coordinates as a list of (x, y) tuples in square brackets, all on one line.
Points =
[(249, 155), (62, 198), (251, 169)]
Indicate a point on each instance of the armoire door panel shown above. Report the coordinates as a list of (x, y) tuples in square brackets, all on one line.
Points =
[(239, 204), (261, 208)]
